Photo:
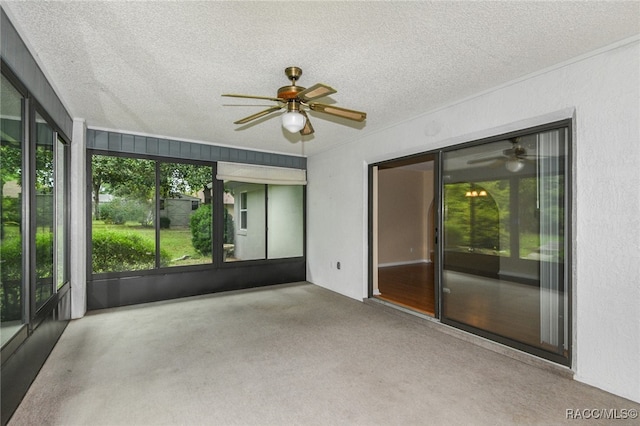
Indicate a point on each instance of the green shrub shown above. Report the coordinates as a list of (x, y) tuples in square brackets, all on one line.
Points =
[(200, 224), (44, 254), (165, 222), (11, 271), (11, 254), (119, 211), (229, 228), (11, 274), (11, 209), (115, 251)]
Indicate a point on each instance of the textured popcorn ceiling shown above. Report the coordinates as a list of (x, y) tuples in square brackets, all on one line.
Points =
[(160, 67)]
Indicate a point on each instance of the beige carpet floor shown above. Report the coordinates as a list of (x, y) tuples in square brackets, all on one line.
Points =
[(288, 355)]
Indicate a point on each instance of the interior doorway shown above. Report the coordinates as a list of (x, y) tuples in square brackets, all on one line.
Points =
[(404, 233)]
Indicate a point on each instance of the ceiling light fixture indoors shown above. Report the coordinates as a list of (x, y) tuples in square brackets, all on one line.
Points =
[(292, 120), (298, 100), (514, 158), (514, 164), (475, 193)]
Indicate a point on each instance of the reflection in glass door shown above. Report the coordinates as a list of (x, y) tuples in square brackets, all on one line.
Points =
[(44, 209), (504, 242), (11, 200)]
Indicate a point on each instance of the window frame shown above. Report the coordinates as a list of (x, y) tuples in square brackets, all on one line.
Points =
[(218, 231), (32, 314), (566, 125), (568, 280), (243, 211)]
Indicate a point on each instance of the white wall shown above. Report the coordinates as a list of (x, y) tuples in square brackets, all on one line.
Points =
[(285, 218), (602, 92), (250, 243), (402, 213)]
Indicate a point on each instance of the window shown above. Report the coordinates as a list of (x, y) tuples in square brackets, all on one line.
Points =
[(123, 233), (243, 210), (124, 225), (276, 215), (12, 196), (34, 249), (131, 232), (271, 199), (186, 233)]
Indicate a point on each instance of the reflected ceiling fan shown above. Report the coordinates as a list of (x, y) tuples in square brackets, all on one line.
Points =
[(514, 158), (297, 100)]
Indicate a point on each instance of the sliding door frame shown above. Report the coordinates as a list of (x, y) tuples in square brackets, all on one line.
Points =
[(568, 339), (372, 171), (568, 248)]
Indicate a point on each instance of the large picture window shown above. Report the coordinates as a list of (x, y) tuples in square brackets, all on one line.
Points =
[(34, 243), (131, 232), (271, 224)]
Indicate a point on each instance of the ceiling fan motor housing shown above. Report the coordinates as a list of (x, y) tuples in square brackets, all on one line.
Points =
[(289, 92)]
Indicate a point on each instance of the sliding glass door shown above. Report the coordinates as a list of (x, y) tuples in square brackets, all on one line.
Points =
[(504, 246)]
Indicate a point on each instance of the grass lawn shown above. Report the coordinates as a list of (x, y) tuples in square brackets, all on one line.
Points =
[(175, 241)]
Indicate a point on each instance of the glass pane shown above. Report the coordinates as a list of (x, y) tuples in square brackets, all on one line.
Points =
[(537, 242), (247, 202), (285, 221), (11, 143), (123, 215), (186, 213), (477, 217), (62, 214), (504, 239), (44, 210)]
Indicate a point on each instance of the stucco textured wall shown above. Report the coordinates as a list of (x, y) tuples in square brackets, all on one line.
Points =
[(601, 92)]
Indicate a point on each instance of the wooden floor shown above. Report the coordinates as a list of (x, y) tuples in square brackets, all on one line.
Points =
[(504, 308), (411, 286)]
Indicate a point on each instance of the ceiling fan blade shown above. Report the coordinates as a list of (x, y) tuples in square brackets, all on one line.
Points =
[(258, 115), (230, 95), (316, 91), (485, 159), (308, 128), (339, 112)]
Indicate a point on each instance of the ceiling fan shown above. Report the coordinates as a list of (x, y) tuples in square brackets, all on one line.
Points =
[(514, 158), (297, 100)]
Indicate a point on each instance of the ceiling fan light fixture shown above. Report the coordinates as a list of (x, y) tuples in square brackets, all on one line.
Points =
[(293, 121), (294, 97), (514, 165)]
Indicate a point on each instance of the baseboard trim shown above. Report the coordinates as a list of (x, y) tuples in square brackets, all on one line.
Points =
[(403, 263)]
